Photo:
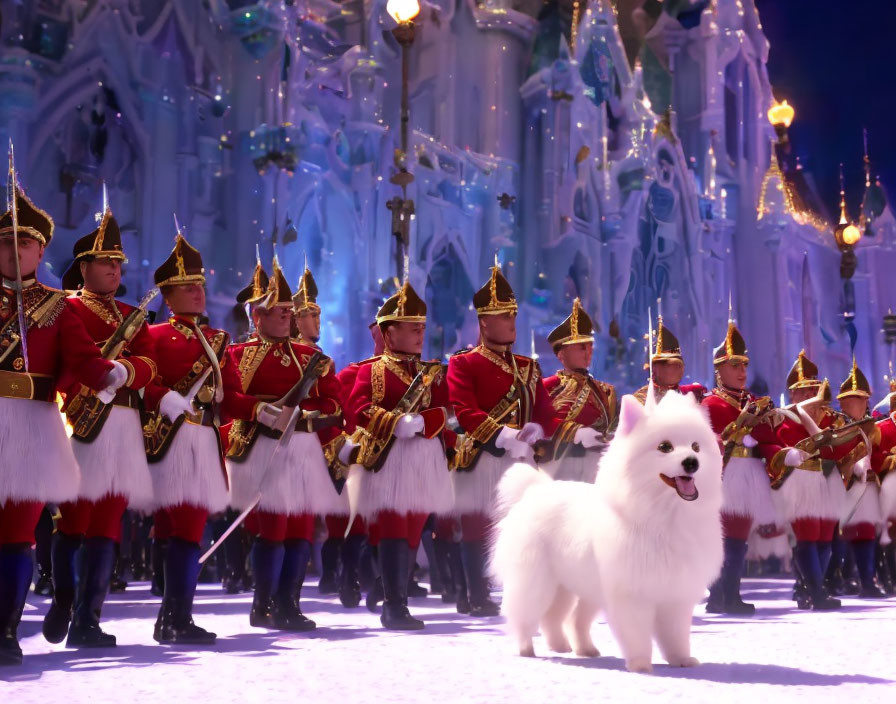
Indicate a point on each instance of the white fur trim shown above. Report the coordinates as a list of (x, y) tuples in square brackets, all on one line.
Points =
[(36, 460), (888, 496), (296, 482), (836, 496), (575, 469), (746, 491), (759, 548), (414, 478), (190, 472), (474, 492), (803, 495), (868, 509), (115, 463)]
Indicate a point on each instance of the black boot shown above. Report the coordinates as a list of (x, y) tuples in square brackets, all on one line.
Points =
[(716, 602), (93, 584), (267, 561), (807, 556), (181, 575), (473, 554), (158, 554), (864, 554), (349, 585), (442, 568), (118, 583), (375, 593), (288, 614), (59, 615), (833, 576), (329, 561), (43, 554), (735, 552), (394, 558), (459, 577), (16, 568), (234, 574), (884, 575)]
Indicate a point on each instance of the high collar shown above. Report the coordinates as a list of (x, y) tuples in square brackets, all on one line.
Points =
[(401, 356), (104, 297), (736, 394), (27, 282), (272, 340), (185, 318)]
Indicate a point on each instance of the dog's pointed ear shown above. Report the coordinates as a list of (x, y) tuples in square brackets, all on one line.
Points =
[(630, 414)]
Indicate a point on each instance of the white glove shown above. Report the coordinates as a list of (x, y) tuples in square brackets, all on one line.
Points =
[(530, 433), (173, 405), (795, 457), (506, 436), (345, 454), (114, 380), (408, 426), (750, 441), (520, 450), (860, 469), (588, 438), (268, 414)]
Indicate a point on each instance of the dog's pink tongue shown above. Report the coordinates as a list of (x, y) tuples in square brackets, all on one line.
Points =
[(685, 487)]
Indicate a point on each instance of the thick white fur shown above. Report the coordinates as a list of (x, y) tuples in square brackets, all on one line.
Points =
[(887, 496), (836, 496), (115, 463), (867, 508), (746, 491), (414, 478), (190, 472), (36, 460), (576, 469), (474, 491), (627, 545), (296, 482), (803, 494)]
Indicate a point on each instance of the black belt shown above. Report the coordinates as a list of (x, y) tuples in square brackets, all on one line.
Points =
[(38, 387), (303, 425), (128, 398)]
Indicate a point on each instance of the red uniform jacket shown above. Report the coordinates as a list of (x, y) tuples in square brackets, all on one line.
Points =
[(594, 407), (725, 406), (479, 378), (101, 318), (263, 370), (178, 348), (58, 344), (883, 459)]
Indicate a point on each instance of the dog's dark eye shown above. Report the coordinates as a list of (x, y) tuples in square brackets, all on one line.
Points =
[(695, 447), (665, 446)]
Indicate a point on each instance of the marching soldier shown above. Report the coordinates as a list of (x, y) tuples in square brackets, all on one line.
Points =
[(667, 367), (741, 421), (796, 465), (265, 379), (182, 442), (862, 515), (307, 311), (883, 462), (39, 466), (586, 407), (399, 406), (107, 441), (500, 402)]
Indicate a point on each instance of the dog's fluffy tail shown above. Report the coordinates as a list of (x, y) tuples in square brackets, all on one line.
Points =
[(517, 481)]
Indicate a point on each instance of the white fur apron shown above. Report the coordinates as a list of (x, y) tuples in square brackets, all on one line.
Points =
[(746, 491), (475, 492), (190, 472)]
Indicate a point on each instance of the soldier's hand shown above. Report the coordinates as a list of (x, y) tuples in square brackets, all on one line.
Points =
[(860, 469), (749, 441), (174, 405), (795, 457), (530, 433), (115, 379), (268, 414), (345, 453), (409, 425), (588, 438)]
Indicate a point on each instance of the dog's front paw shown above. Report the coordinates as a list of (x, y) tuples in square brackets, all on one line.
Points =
[(684, 661), (527, 650), (641, 667), (587, 651), (559, 644)]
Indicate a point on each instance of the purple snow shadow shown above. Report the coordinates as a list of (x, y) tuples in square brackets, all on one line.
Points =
[(730, 673)]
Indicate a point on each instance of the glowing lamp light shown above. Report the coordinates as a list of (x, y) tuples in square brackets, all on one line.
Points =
[(851, 234), (781, 114), (403, 10)]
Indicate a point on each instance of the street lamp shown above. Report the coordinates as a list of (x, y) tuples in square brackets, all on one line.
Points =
[(402, 207), (847, 236), (781, 116)]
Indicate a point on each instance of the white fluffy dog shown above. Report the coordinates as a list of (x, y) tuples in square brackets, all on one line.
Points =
[(641, 544)]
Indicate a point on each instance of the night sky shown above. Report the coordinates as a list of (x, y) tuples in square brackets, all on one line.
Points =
[(833, 60)]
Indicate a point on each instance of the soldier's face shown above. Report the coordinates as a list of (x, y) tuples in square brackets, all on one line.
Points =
[(308, 323), (733, 374), (576, 356), (30, 253), (498, 329), (186, 299), (273, 323), (854, 406), (101, 275), (668, 372), (803, 394), (406, 338)]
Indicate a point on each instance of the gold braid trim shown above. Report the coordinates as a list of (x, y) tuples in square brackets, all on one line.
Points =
[(485, 430), (378, 381), (250, 361)]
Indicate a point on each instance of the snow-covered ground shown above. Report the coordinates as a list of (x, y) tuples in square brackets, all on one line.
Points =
[(783, 655)]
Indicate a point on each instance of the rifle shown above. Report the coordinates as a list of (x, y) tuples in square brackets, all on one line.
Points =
[(12, 191), (750, 416), (86, 412), (285, 425)]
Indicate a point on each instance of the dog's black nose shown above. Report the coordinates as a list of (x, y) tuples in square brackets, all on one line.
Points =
[(691, 464)]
